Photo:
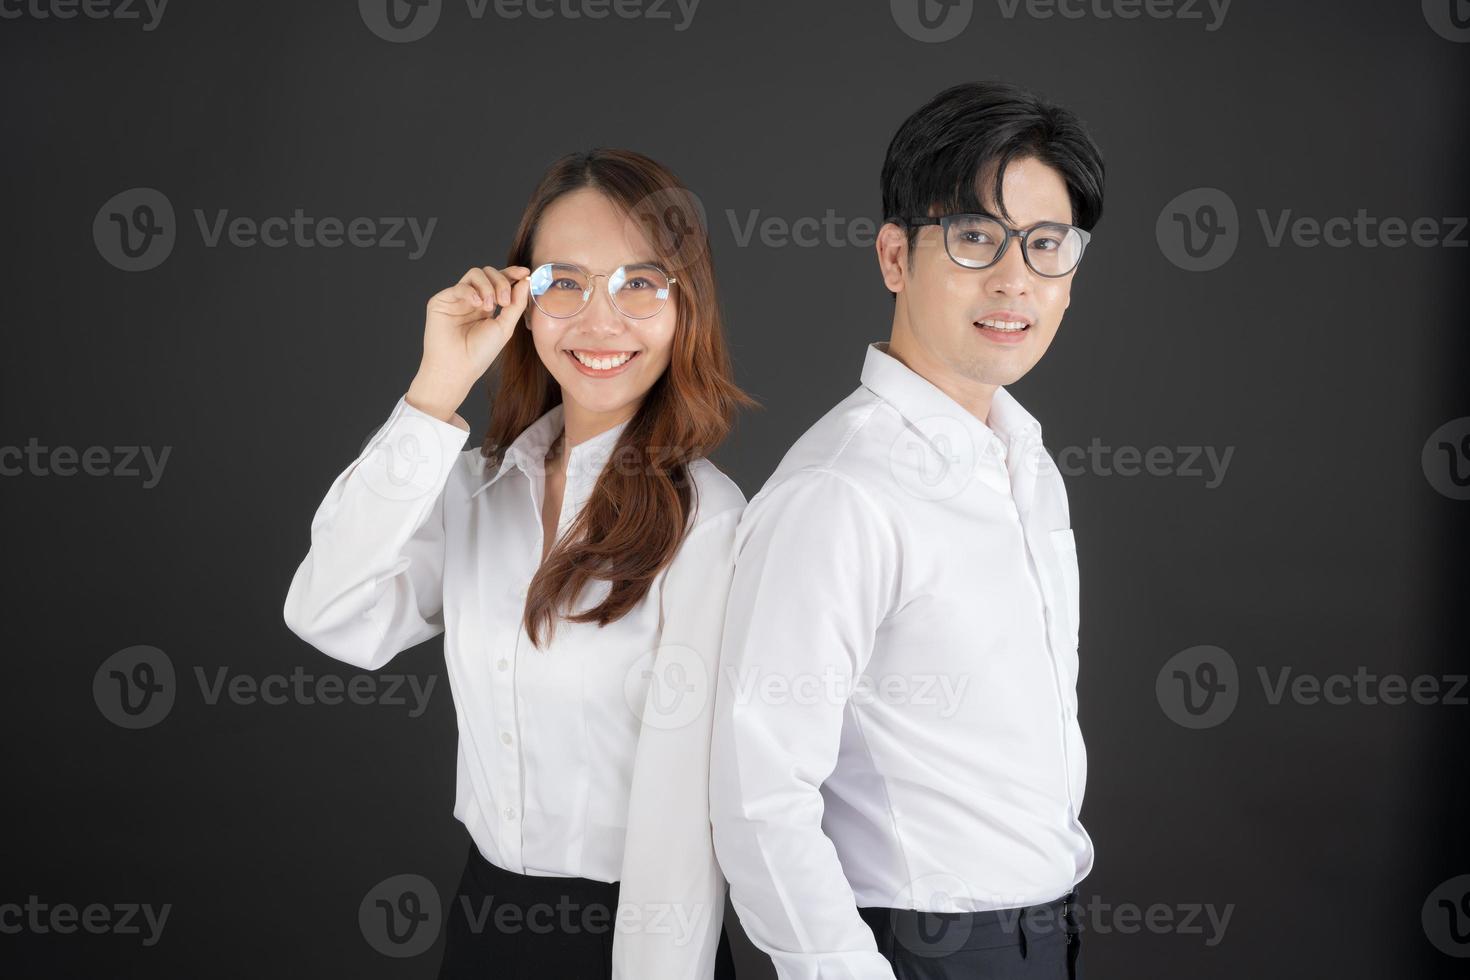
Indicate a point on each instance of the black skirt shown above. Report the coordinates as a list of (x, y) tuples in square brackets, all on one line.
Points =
[(507, 926)]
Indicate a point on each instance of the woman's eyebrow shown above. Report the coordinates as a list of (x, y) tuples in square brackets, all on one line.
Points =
[(564, 261)]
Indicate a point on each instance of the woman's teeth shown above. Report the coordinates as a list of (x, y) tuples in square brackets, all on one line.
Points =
[(1005, 325), (603, 363)]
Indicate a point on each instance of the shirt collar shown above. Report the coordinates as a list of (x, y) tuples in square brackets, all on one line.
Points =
[(917, 399), (587, 461)]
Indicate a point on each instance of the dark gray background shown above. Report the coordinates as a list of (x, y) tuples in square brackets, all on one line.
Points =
[(1324, 549)]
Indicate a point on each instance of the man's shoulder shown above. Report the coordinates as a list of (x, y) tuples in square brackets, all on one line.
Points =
[(844, 455)]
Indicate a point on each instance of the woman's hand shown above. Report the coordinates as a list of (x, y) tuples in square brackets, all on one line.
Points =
[(465, 329)]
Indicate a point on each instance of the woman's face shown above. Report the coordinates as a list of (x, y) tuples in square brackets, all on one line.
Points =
[(587, 229)]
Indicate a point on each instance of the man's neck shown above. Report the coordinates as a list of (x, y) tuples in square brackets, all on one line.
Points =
[(974, 396)]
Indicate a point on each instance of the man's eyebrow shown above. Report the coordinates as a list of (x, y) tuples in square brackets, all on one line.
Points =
[(1041, 221)]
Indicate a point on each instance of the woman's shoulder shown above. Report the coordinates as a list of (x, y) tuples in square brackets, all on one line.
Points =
[(715, 493)]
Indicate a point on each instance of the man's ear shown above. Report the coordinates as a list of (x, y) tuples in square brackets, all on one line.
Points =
[(893, 256)]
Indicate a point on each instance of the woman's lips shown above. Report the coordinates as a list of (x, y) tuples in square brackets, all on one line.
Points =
[(592, 372)]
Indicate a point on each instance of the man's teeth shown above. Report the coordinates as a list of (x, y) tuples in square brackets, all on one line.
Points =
[(603, 363), (1006, 325)]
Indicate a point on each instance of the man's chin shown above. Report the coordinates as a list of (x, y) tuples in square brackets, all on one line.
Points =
[(996, 370)]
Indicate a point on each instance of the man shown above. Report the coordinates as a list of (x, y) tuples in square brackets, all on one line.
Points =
[(897, 763)]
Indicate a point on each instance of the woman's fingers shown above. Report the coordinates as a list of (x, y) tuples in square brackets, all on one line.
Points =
[(473, 290), (477, 296), (458, 299), (500, 282), (489, 289), (520, 293)]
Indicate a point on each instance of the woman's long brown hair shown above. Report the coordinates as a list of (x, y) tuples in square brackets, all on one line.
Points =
[(639, 509)]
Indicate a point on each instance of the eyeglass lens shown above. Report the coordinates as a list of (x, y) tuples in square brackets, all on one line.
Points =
[(561, 289), (1051, 249)]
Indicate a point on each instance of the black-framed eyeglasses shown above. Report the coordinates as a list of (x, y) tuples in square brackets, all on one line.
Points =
[(977, 241), (563, 289)]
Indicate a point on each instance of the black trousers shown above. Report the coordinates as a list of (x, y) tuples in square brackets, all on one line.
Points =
[(1038, 942), (507, 926)]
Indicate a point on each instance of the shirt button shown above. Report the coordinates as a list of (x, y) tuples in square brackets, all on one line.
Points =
[(510, 813), (502, 664), (505, 737)]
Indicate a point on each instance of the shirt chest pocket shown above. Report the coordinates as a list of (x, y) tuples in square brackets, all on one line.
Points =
[(1065, 585)]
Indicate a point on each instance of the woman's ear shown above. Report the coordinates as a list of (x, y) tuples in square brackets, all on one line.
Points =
[(893, 256)]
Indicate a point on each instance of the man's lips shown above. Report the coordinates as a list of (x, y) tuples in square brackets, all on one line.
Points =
[(1004, 328)]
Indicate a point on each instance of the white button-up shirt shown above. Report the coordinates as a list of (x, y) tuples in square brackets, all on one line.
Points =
[(586, 758), (896, 720)]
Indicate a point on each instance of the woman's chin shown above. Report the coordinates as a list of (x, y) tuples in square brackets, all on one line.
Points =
[(597, 398)]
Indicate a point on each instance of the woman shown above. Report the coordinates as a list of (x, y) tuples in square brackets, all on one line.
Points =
[(577, 565)]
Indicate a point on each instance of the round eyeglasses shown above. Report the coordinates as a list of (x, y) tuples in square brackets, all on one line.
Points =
[(563, 289), (976, 241)]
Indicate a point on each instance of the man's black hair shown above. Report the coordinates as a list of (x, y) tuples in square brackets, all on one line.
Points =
[(938, 154)]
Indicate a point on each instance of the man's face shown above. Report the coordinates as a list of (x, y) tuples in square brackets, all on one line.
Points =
[(941, 305)]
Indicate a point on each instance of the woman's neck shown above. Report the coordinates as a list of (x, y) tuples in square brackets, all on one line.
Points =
[(580, 424)]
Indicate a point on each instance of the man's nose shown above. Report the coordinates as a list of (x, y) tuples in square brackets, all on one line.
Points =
[(1010, 275)]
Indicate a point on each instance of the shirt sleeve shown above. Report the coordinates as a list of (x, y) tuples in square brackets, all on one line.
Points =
[(816, 567), (671, 896), (371, 584)]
